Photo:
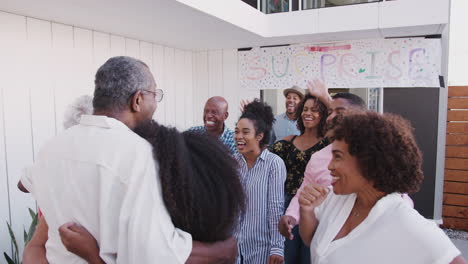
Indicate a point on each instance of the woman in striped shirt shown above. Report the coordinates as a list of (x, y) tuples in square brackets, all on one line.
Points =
[(262, 174)]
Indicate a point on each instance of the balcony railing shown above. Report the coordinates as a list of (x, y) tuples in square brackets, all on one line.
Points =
[(278, 6)]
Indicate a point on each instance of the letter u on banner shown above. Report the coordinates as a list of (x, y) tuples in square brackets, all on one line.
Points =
[(273, 67)]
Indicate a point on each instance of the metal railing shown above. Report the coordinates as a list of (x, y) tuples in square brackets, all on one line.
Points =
[(278, 6)]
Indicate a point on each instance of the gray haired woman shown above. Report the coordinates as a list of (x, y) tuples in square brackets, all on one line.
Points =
[(82, 105)]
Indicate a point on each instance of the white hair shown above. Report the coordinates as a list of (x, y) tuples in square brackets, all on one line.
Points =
[(82, 105)]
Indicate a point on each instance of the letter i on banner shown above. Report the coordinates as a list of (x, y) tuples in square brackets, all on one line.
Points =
[(372, 68)]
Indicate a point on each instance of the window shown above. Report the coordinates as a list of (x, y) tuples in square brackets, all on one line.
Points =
[(252, 3), (278, 6), (309, 4)]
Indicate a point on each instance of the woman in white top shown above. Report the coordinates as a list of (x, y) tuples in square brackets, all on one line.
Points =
[(363, 219)]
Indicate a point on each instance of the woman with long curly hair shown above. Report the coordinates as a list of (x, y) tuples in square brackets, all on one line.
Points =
[(363, 218), (200, 186)]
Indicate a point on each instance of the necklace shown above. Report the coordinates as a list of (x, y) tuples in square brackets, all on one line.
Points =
[(354, 213)]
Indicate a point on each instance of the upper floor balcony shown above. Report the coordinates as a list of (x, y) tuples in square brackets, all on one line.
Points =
[(330, 20), (278, 6), (220, 24)]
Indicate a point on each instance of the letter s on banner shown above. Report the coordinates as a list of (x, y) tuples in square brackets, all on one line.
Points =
[(255, 68)]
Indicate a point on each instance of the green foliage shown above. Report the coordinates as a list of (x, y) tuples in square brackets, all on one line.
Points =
[(26, 235)]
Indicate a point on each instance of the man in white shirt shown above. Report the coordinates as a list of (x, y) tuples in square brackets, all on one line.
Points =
[(103, 176)]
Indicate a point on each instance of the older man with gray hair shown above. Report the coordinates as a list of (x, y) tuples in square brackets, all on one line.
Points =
[(101, 175)]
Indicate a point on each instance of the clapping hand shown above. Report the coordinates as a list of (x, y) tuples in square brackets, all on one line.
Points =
[(312, 196)]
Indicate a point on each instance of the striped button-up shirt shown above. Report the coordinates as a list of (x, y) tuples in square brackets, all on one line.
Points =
[(258, 236)]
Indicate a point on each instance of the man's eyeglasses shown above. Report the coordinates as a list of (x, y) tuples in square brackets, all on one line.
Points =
[(158, 94)]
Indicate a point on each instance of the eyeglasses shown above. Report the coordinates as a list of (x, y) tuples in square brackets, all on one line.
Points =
[(158, 94)]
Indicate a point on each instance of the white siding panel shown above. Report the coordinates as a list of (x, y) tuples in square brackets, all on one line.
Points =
[(5, 245), (132, 48), (17, 117), (169, 84), (180, 87), (188, 83), (62, 67), (159, 71), (39, 83), (231, 85), (195, 89), (117, 46), (215, 73), (202, 80), (146, 54), (83, 80), (101, 49)]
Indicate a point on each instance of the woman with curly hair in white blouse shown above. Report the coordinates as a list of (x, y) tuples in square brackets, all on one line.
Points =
[(363, 217)]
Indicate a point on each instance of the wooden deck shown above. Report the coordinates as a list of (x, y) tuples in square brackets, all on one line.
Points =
[(455, 208)]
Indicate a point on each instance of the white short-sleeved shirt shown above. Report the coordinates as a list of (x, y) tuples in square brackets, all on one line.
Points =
[(393, 232), (103, 176)]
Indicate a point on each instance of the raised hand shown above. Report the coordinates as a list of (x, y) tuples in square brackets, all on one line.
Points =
[(242, 104), (312, 196), (318, 89), (285, 226)]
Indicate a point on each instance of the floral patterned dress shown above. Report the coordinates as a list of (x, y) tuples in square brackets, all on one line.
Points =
[(295, 161)]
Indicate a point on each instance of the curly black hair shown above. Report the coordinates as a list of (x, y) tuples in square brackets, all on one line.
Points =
[(200, 184), (261, 114), (322, 110), (385, 148)]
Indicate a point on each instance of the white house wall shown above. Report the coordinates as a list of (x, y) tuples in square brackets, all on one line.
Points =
[(17, 121), (216, 74), (373, 20), (45, 65), (234, 12), (458, 48)]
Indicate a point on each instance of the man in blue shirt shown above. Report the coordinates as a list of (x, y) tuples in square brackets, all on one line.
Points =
[(285, 123), (214, 115)]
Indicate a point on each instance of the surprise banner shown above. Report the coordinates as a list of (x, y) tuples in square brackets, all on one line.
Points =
[(354, 64)]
